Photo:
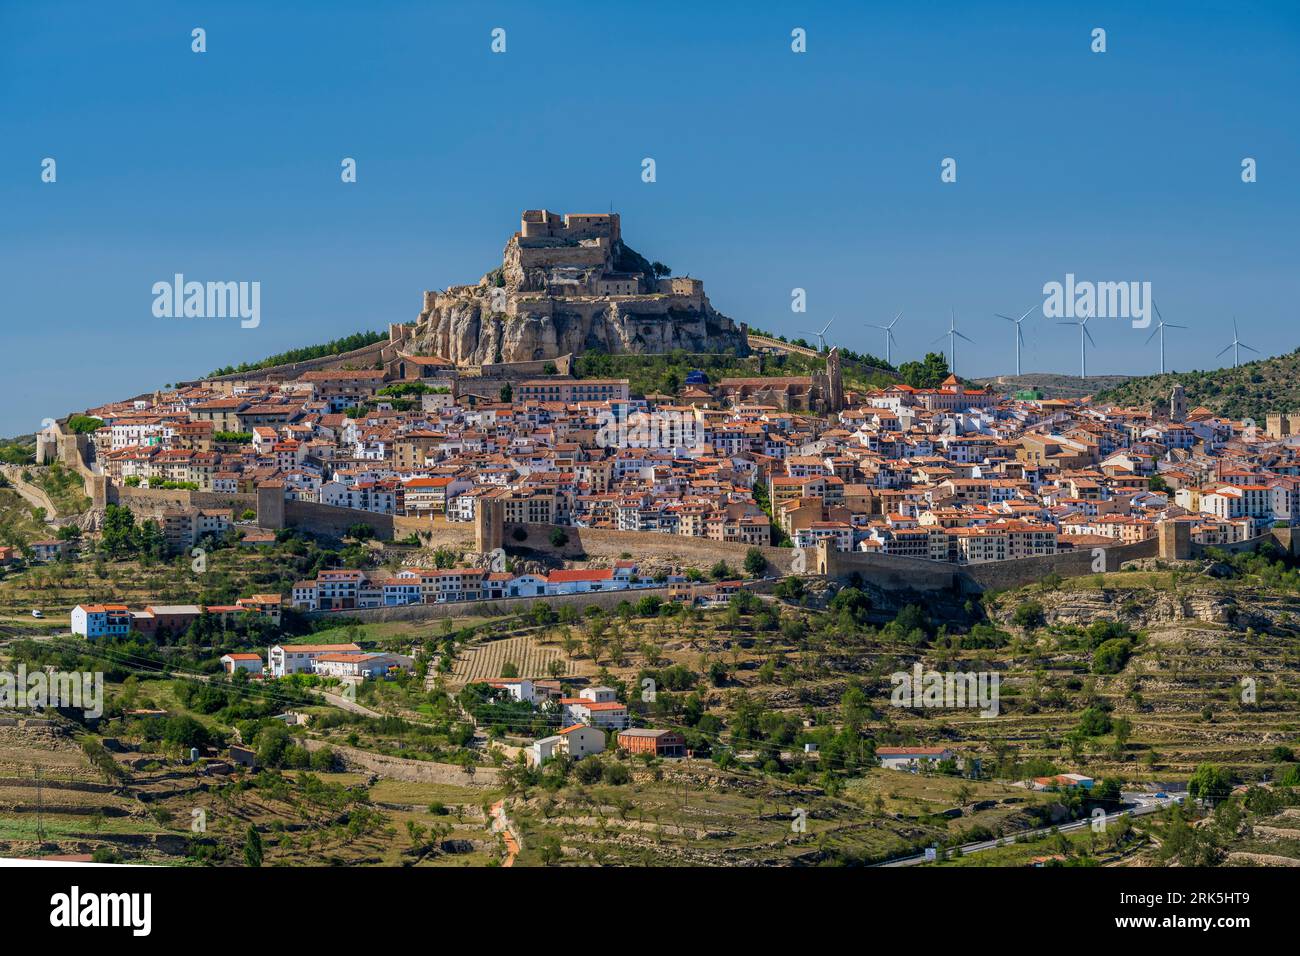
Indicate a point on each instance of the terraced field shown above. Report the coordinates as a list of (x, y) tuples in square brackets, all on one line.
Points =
[(531, 659)]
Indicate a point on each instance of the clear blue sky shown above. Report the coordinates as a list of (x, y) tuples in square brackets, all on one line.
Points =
[(775, 170)]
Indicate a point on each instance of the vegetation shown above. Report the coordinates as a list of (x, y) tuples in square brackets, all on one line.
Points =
[(1252, 390), (347, 343), (653, 374)]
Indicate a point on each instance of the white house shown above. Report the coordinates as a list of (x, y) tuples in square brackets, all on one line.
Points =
[(520, 689), (358, 666), (252, 663), (610, 714), (577, 741), (101, 620), (911, 758), (296, 658)]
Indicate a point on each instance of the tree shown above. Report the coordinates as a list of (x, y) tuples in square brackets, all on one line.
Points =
[(507, 393), (1029, 614), (1210, 783), (117, 534), (856, 604), (660, 269), (1094, 722), (925, 374), (550, 851), (1122, 728), (558, 538), (252, 847), (1111, 656), (84, 424), (755, 563)]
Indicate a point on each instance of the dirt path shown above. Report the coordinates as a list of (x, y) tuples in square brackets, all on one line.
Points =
[(501, 824)]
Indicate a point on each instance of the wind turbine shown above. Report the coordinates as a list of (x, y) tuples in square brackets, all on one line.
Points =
[(1237, 345), (1160, 329), (1084, 338), (1020, 336), (953, 335), (821, 336), (889, 337)]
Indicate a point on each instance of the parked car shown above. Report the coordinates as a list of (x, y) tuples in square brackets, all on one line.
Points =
[(37, 612)]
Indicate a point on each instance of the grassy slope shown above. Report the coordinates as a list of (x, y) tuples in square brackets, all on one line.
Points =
[(1253, 390)]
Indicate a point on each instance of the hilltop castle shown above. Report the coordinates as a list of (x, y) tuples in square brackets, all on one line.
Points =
[(568, 284)]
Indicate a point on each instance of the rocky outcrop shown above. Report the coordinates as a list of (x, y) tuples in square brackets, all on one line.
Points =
[(554, 297)]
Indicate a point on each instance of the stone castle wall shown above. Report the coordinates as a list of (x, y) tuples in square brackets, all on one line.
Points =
[(892, 573)]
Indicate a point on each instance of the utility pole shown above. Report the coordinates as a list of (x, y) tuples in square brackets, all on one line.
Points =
[(40, 811)]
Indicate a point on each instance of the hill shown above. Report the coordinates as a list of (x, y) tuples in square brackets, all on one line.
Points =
[(1053, 385), (1250, 391)]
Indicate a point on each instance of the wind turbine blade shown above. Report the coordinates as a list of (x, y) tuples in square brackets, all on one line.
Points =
[(940, 339), (1170, 325), (1225, 349), (1248, 348), (1153, 334), (1007, 317), (1020, 334), (1088, 335), (960, 336), (1069, 323), (1157, 308), (1026, 315)]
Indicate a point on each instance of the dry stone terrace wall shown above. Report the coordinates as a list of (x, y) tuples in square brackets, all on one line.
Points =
[(412, 771)]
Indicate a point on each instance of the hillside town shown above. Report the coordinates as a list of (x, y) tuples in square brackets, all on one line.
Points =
[(949, 473)]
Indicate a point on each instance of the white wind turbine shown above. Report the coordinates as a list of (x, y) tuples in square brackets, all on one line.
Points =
[(1161, 325), (889, 337), (1020, 336), (1084, 338), (1237, 345), (821, 336), (953, 335)]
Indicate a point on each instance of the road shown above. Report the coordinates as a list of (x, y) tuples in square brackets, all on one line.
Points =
[(1144, 803)]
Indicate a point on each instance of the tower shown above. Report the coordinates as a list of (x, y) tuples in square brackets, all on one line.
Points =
[(834, 382), (1177, 404), (489, 525)]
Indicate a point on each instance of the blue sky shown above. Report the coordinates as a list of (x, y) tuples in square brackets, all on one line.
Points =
[(775, 170)]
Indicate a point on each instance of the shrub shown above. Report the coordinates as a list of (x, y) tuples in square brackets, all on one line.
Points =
[(1029, 615)]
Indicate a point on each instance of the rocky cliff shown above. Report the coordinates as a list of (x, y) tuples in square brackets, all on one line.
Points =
[(554, 296)]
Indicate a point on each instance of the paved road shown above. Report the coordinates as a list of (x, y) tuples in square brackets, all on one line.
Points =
[(344, 704), (1143, 803)]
